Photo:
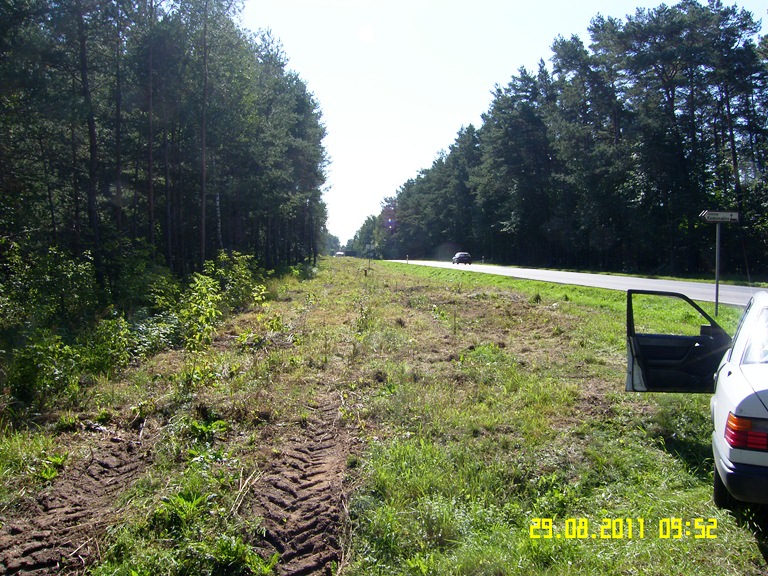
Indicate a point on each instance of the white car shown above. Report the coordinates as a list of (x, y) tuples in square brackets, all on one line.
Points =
[(735, 369)]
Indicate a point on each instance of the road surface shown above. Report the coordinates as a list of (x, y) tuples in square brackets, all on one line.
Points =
[(736, 295)]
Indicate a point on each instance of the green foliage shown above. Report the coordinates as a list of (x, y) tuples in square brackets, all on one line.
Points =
[(50, 467), (189, 526), (164, 293), (366, 318), (151, 334), (67, 422), (178, 514), (22, 454), (231, 556), (237, 280), (43, 369), (46, 367), (221, 555), (47, 290), (107, 347), (81, 227), (28, 460), (199, 312), (136, 279), (47, 363), (266, 143), (206, 431)]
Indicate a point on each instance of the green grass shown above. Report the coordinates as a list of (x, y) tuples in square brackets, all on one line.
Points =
[(28, 459), (497, 439), (484, 407)]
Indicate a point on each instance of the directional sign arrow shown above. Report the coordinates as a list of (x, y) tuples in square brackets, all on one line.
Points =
[(715, 216)]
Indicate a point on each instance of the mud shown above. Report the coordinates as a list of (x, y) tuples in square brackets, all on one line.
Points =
[(57, 530), (301, 496)]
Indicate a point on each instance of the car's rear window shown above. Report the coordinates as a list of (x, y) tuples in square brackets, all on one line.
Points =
[(757, 349)]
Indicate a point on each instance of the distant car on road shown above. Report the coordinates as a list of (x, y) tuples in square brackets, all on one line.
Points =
[(462, 258), (707, 360)]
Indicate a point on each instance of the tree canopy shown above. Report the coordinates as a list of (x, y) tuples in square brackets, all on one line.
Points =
[(154, 128), (145, 145), (606, 159)]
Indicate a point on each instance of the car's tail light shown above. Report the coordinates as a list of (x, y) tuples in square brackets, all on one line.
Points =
[(746, 433)]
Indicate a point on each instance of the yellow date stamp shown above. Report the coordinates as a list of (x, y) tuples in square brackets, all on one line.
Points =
[(671, 528)]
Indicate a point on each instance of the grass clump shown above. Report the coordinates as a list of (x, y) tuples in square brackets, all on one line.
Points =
[(187, 517), (27, 460)]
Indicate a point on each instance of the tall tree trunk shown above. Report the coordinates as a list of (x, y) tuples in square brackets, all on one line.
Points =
[(734, 153), (167, 188), (203, 120), (49, 189), (77, 240), (219, 235), (118, 126), (93, 160), (151, 135)]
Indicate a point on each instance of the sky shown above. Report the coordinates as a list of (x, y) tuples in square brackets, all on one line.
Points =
[(396, 80)]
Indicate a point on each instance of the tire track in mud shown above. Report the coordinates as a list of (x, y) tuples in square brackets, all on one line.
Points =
[(56, 531), (301, 496)]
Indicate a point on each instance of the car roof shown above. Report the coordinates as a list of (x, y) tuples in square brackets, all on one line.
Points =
[(760, 299)]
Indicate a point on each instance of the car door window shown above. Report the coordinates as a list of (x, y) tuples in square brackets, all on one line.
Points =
[(672, 344), (757, 348)]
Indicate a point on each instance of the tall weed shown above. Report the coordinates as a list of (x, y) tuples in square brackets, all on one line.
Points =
[(199, 312), (238, 284), (43, 369)]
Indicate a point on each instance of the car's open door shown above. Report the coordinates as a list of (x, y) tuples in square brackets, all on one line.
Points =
[(672, 344)]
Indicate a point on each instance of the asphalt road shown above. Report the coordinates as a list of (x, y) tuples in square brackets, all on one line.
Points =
[(736, 295)]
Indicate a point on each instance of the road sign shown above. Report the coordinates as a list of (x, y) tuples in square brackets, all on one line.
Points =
[(716, 216)]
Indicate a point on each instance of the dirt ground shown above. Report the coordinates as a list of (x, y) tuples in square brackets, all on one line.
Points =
[(299, 495), (56, 531)]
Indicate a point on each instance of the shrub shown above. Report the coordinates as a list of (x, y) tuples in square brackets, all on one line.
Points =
[(43, 368), (164, 293), (50, 289), (199, 312), (135, 278), (152, 334), (107, 347), (237, 281)]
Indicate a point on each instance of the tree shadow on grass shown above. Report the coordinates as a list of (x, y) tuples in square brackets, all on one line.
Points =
[(684, 429), (753, 517), (695, 454), (697, 458)]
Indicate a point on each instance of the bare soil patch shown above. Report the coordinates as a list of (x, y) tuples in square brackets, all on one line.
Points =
[(57, 530), (301, 495)]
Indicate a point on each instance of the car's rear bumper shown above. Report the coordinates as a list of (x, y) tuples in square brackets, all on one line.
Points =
[(745, 482)]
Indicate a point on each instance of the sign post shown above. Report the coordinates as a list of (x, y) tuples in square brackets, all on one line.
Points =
[(718, 217)]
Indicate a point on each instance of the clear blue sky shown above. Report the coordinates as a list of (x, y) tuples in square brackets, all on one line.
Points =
[(397, 79)]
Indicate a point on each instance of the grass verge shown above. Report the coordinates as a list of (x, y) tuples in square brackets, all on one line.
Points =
[(492, 435), (512, 448)]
